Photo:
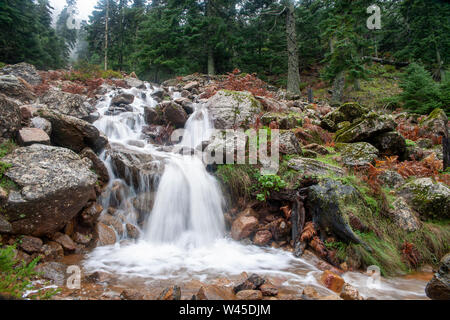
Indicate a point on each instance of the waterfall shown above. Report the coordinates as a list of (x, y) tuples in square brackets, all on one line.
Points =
[(183, 236)]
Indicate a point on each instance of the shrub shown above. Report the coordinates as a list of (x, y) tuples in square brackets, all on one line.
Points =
[(420, 93), (16, 276), (268, 183)]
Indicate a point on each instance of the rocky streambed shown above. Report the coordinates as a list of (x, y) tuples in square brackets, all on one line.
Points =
[(92, 181)]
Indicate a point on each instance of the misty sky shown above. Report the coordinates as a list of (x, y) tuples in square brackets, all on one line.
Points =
[(85, 7)]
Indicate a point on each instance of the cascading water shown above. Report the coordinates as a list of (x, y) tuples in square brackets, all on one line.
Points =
[(183, 237)]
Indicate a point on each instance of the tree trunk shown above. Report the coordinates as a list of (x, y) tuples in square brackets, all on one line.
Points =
[(338, 89), (293, 85), (211, 63), (106, 34)]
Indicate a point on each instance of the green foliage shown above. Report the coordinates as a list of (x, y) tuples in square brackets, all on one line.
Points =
[(6, 147), (2, 65), (15, 277), (27, 34), (420, 93), (237, 179), (267, 184)]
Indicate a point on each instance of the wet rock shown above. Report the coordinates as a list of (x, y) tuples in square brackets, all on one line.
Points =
[(280, 229), (134, 166), (244, 225), (174, 114), (125, 99), (262, 237), (134, 83), (25, 71), (191, 85), (97, 165), (330, 202), (73, 133), (309, 293), (81, 238), (158, 94), (29, 136), (314, 168), (90, 215), (289, 143), (231, 109), (65, 241), (106, 235), (404, 216), (332, 281), (74, 105), (43, 124), (439, 286), (214, 293), (54, 271), (249, 295), (16, 88), (10, 117), (173, 293), (52, 251), (132, 231), (152, 116), (346, 113), (366, 128), (55, 184), (391, 179), (349, 292), (390, 144), (31, 244), (131, 295), (251, 283), (268, 289), (144, 202), (430, 199), (112, 222), (359, 154)]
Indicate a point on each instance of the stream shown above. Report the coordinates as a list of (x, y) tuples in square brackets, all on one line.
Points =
[(183, 238)]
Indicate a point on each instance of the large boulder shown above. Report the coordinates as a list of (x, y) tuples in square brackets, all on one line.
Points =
[(390, 144), (134, 166), (347, 112), (10, 117), (439, 286), (232, 109), (121, 99), (314, 168), (54, 184), (430, 199), (25, 71), (436, 122), (331, 202), (404, 216), (366, 128), (285, 121), (69, 104), (73, 133), (16, 88), (174, 114), (359, 154), (289, 143)]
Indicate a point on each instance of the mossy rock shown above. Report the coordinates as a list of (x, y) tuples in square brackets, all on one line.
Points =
[(359, 154), (431, 199), (330, 203), (366, 128), (347, 112)]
